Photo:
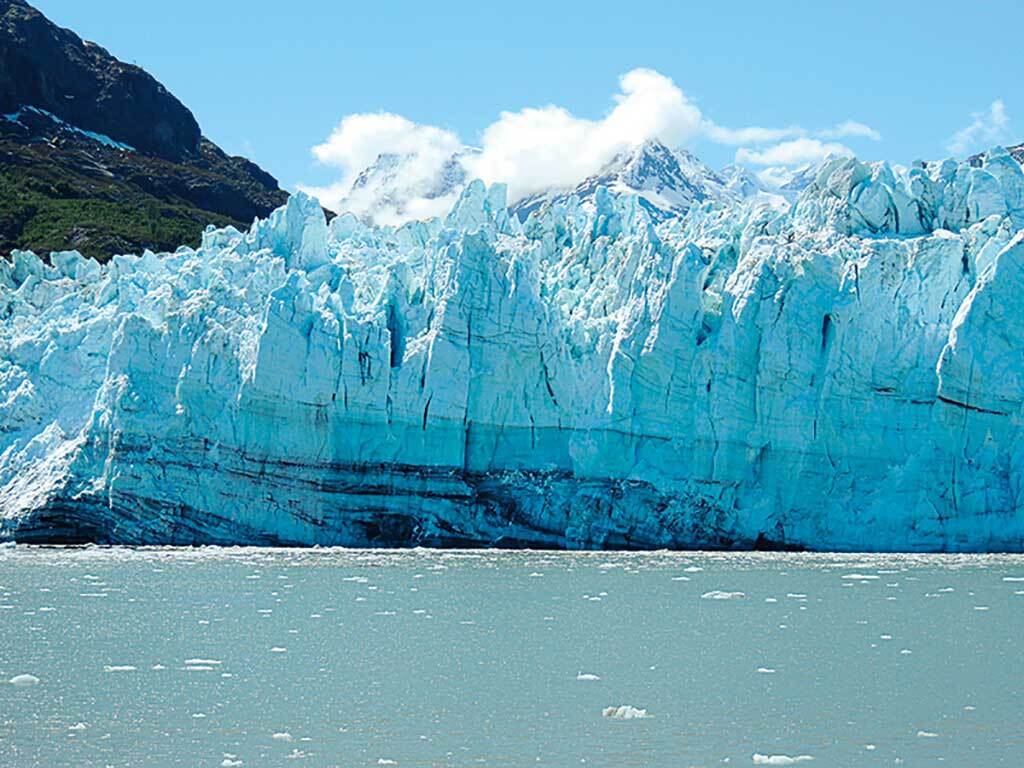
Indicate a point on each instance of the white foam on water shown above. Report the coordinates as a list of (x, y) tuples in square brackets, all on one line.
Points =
[(760, 759), (120, 668), (278, 649), (766, 670), (861, 577), (282, 736), (227, 762), (1013, 578), (202, 662), (386, 761), (625, 712), (586, 676), (158, 667), (680, 578), (692, 569), (23, 681), (198, 668), (927, 735), (717, 594), (771, 600), (981, 607)]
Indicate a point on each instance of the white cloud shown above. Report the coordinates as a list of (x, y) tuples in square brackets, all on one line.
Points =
[(986, 128), (851, 129), (538, 148), (795, 152), (360, 139)]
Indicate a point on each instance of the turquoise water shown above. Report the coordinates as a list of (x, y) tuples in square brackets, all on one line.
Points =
[(419, 658)]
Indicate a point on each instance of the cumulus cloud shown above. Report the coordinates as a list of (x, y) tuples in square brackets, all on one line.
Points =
[(986, 128), (359, 140), (795, 152), (538, 148)]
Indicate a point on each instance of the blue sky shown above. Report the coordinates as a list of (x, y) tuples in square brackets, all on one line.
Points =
[(273, 80)]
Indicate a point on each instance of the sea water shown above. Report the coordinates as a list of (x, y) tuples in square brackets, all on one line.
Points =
[(425, 658)]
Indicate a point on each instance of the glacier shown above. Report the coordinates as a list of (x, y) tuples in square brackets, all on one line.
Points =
[(842, 373)]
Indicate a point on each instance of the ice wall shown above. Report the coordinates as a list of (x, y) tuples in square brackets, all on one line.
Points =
[(845, 374)]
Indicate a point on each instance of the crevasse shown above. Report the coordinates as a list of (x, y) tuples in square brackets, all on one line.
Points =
[(847, 373)]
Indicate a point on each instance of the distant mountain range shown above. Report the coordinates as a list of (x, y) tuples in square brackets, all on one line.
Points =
[(667, 181), (96, 155)]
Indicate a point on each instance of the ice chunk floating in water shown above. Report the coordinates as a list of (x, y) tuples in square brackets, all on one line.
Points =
[(624, 712), (746, 375), (24, 681), (718, 594)]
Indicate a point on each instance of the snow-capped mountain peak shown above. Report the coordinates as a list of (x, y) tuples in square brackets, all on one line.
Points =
[(668, 181)]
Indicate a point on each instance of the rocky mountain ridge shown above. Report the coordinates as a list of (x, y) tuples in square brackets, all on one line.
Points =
[(96, 155)]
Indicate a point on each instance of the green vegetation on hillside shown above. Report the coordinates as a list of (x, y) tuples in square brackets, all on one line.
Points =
[(50, 215)]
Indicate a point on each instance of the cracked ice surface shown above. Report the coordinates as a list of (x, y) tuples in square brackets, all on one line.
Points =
[(844, 374)]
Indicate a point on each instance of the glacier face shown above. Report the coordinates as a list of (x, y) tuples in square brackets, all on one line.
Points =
[(846, 373)]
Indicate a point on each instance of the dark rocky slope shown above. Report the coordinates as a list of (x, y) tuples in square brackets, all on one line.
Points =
[(96, 155)]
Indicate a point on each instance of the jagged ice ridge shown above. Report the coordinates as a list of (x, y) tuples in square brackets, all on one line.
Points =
[(847, 373)]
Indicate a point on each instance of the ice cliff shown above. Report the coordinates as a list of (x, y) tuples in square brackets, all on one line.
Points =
[(844, 373)]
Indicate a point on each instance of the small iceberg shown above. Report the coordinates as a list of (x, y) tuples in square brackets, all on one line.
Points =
[(23, 681), (624, 712), (780, 759), (586, 676), (717, 594)]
